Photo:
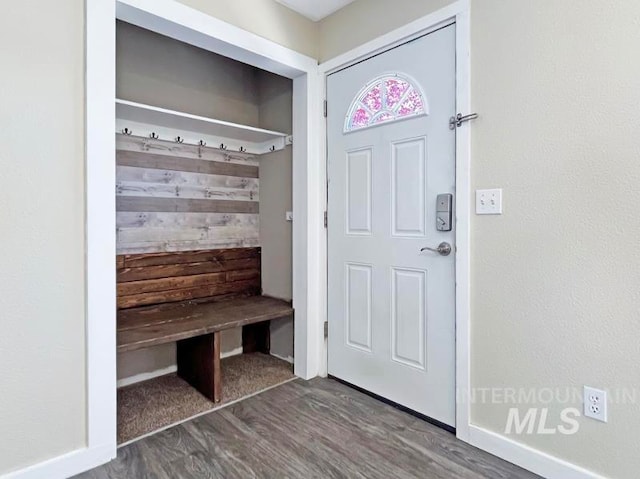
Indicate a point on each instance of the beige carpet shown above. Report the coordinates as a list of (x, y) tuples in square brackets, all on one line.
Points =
[(151, 405)]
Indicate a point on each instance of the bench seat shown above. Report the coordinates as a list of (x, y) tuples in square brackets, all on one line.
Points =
[(150, 326)]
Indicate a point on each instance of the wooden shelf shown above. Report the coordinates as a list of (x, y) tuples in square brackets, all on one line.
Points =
[(143, 120)]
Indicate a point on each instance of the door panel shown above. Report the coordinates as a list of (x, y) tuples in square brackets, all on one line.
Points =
[(359, 192), (408, 316), (408, 187), (391, 306), (358, 306)]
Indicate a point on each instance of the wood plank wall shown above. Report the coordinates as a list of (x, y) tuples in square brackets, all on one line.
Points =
[(146, 279), (172, 197)]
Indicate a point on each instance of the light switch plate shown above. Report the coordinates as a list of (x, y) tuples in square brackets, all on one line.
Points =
[(489, 202)]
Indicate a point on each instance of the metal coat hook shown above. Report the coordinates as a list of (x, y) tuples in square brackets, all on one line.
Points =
[(179, 139), (273, 148), (242, 149), (223, 146), (127, 132), (154, 136), (201, 144)]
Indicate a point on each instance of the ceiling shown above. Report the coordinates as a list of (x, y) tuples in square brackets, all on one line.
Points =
[(315, 9)]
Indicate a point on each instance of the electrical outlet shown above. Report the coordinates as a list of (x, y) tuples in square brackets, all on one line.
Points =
[(595, 403), (489, 202)]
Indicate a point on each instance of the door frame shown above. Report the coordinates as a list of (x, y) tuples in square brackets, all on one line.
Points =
[(176, 20), (458, 13)]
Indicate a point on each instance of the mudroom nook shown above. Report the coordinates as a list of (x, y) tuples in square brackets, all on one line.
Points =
[(203, 201)]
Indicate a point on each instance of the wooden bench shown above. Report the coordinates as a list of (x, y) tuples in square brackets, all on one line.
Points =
[(189, 298)]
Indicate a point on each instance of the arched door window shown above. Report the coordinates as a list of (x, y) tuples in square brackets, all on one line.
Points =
[(387, 98)]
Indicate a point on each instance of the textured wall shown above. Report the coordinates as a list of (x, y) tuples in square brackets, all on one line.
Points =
[(365, 20), (160, 71), (266, 18), (555, 295), (276, 97), (42, 280), (553, 305)]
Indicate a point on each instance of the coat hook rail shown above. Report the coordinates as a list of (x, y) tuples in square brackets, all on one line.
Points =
[(180, 140)]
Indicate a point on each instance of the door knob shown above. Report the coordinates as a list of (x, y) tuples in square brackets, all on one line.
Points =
[(443, 249)]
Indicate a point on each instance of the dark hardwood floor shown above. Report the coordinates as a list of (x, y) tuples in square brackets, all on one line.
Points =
[(313, 429)]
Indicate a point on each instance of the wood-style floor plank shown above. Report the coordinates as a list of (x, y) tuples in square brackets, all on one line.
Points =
[(412, 431), (306, 429)]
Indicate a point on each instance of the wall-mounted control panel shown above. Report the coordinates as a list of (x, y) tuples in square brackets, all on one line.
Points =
[(444, 212)]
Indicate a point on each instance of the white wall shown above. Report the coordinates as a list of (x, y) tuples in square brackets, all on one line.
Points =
[(555, 278), (42, 280)]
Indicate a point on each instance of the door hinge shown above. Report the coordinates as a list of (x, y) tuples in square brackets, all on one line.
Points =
[(326, 219), (325, 108), (326, 329), (459, 119)]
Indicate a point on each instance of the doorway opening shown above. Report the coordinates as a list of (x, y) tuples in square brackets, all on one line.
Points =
[(204, 237)]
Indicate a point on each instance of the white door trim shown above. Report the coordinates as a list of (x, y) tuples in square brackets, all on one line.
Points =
[(193, 26), (457, 12)]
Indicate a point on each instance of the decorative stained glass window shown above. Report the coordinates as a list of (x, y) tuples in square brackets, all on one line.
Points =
[(386, 98)]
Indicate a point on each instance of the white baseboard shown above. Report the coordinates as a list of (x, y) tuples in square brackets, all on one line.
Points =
[(68, 464), (288, 359), (526, 457), (233, 352), (138, 378)]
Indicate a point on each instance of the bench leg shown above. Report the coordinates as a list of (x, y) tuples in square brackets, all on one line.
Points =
[(256, 338), (199, 364)]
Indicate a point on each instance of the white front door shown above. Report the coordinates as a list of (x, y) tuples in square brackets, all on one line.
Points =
[(390, 153)]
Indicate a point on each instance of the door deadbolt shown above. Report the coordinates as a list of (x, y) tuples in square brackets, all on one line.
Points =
[(444, 212)]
